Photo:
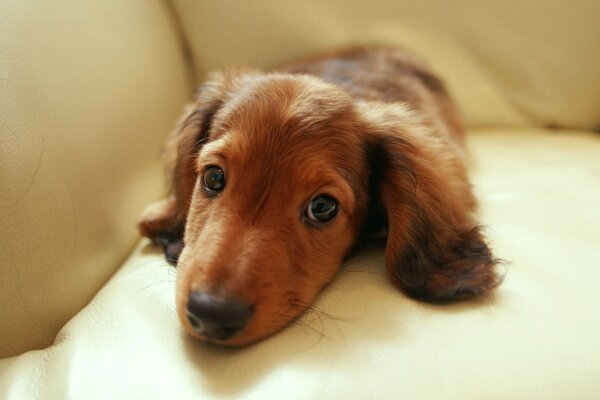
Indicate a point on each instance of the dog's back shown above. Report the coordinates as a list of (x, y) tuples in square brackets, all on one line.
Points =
[(386, 74)]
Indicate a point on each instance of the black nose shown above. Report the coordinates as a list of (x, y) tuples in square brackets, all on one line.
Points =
[(216, 317)]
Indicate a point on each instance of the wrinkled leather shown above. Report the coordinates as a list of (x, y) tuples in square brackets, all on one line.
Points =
[(538, 339), (87, 94)]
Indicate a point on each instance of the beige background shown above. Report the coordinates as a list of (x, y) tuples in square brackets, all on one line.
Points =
[(89, 90)]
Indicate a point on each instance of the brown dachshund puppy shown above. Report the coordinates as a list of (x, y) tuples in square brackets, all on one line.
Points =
[(276, 177)]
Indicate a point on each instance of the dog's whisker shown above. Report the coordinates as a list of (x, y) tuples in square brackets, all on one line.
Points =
[(159, 263)]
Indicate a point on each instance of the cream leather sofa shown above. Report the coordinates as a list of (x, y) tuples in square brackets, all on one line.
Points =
[(88, 91)]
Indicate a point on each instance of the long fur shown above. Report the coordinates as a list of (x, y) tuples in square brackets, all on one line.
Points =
[(372, 127)]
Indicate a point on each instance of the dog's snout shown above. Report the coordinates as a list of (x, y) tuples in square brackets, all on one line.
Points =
[(216, 317)]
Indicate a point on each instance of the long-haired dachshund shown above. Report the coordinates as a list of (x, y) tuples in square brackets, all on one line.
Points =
[(276, 177)]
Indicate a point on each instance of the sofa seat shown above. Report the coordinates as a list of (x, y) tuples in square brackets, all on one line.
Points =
[(537, 339)]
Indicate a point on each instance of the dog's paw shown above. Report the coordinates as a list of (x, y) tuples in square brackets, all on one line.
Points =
[(159, 223), (172, 247)]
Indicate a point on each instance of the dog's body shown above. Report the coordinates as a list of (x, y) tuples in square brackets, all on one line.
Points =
[(276, 176)]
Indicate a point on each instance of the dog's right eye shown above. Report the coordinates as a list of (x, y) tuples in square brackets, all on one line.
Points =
[(213, 179), (322, 209)]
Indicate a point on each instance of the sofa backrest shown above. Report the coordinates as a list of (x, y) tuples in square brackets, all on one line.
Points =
[(515, 62), (88, 92)]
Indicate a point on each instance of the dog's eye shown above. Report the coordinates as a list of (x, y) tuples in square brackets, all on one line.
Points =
[(322, 208), (213, 179)]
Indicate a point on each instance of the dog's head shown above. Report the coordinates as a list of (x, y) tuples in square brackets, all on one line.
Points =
[(275, 177)]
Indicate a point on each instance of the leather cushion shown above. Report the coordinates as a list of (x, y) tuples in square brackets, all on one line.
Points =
[(537, 339)]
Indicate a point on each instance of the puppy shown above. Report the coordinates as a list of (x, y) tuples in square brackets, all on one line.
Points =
[(275, 178)]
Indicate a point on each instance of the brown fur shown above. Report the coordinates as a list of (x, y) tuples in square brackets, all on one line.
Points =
[(372, 127)]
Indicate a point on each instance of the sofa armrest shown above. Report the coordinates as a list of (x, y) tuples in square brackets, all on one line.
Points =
[(88, 92)]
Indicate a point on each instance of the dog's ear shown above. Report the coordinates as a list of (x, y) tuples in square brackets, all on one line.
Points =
[(164, 221), (435, 250)]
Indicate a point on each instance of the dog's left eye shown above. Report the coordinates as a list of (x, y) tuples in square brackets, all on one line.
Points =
[(213, 179), (322, 208)]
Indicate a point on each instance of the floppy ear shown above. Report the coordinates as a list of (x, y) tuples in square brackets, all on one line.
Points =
[(164, 221), (435, 250)]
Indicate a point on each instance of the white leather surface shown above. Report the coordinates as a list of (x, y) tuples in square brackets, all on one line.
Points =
[(538, 339), (510, 62), (88, 91)]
